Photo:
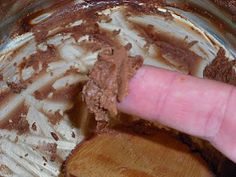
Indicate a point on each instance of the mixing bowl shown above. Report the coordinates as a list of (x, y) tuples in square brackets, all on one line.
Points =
[(46, 54)]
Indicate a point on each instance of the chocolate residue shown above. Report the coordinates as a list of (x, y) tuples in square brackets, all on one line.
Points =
[(54, 118), (34, 126), (172, 51), (21, 125), (16, 87), (73, 134), (39, 95), (52, 147), (5, 96), (55, 136), (17, 121), (49, 148), (43, 92), (219, 23), (40, 57), (80, 116), (221, 69), (108, 81), (229, 6), (67, 93), (45, 159)]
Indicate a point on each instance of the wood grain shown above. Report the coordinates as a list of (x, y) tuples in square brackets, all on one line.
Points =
[(122, 154)]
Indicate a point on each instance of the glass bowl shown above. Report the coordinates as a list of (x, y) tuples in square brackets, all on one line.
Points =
[(43, 63)]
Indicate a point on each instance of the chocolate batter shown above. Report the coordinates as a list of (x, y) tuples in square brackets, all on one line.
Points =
[(108, 81)]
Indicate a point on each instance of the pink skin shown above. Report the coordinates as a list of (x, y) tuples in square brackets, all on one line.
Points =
[(199, 107)]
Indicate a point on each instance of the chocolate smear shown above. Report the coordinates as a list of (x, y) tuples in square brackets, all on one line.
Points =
[(16, 87), (221, 69), (108, 81)]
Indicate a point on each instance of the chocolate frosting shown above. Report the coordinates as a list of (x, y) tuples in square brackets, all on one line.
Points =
[(108, 81), (221, 69)]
